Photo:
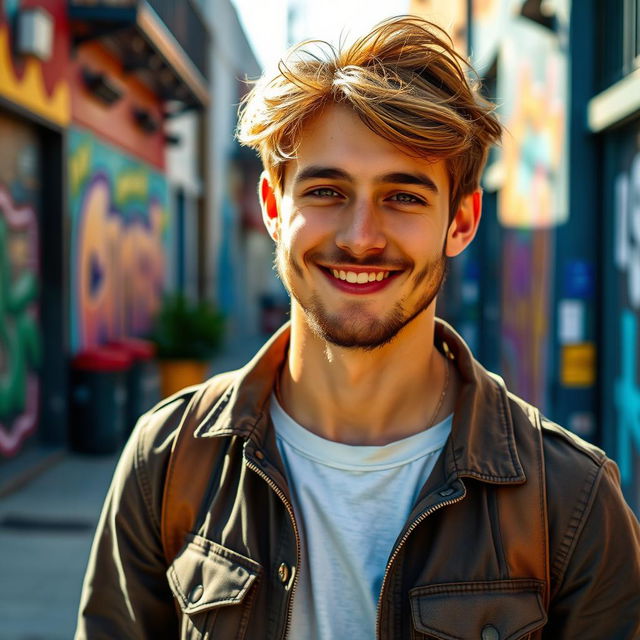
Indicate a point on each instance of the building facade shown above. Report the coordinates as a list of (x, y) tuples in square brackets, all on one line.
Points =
[(34, 113), (237, 251), (87, 218)]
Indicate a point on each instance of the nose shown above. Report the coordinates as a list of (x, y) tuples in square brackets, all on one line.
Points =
[(361, 232)]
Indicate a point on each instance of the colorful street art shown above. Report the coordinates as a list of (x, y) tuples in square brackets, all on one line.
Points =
[(627, 385), (526, 296), (20, 346), (118, 241), (532, 82), (40, 87)]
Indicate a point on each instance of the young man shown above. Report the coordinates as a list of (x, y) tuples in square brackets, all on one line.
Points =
[(364, 476)]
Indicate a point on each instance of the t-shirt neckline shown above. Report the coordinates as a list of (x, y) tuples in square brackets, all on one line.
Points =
[(358, 457)]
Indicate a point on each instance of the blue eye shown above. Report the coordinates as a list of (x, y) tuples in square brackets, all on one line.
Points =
[(324, 192), (406, 198)]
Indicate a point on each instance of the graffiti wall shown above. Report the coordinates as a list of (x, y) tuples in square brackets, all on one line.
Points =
[(20, 342), (526, 298), (626, 338), (39, 86), (118, 241)]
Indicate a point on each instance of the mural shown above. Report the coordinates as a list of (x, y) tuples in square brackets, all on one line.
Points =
[(627, 262), (20, 341), (118, 241), (532, 84), (39, 86), (526, 296), (20, 348)]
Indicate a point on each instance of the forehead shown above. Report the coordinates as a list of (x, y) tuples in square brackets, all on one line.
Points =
[(338, 138)]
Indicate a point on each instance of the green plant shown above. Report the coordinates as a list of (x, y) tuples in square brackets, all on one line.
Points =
[(186, 330)]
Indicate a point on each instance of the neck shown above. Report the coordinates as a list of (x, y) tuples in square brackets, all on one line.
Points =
[(366, 397)]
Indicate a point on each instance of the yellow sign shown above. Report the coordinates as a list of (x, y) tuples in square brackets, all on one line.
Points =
[(578, 365)]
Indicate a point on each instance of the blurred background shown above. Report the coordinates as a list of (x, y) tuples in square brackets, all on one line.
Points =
[(132, 251)]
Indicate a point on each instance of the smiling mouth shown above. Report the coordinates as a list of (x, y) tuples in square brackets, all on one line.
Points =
[(360, 277)]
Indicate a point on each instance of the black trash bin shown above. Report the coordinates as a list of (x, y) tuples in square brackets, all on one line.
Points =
[(98, 400), (143, 378)]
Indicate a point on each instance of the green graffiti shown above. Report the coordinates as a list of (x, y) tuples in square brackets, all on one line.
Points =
[(20, 346)]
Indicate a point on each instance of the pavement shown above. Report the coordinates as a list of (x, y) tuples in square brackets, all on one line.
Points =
[(46, 529)]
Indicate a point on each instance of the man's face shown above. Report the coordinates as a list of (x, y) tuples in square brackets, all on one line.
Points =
[(360, 232)]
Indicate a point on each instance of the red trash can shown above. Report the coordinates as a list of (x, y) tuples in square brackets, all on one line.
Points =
[(143, 378), (98, 400)]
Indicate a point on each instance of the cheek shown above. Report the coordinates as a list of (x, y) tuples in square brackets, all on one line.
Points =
[(420, 238), (303, 232)]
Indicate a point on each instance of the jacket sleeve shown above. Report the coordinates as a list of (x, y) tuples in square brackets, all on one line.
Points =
[(125, 592), (597, 586)]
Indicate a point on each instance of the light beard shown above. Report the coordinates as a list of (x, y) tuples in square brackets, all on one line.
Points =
[(359, 329)]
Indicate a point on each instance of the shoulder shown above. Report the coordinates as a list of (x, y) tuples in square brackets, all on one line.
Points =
[(564, 451), (157, 428), (147, 454), (584, 500)]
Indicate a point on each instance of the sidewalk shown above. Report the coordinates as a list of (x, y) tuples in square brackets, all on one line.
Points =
[(46, 529), (45, 536)]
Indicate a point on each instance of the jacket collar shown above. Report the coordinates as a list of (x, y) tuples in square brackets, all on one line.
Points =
[(482, 443)]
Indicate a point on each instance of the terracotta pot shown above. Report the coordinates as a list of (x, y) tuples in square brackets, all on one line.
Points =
[(178, 374)]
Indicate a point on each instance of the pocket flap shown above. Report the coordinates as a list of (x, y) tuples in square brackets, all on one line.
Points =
[(495, 610), (206, 575)]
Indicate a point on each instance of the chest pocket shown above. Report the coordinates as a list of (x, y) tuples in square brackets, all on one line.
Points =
[(491, 610), (207, 579)]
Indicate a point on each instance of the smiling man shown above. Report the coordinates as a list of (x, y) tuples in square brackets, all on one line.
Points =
[(363, 476)]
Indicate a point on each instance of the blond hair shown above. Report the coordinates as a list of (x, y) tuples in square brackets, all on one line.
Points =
[(404, 80)]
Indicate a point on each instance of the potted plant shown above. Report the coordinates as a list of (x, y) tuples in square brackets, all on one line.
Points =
[(187, 336)]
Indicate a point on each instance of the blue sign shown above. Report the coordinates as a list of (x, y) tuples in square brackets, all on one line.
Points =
[(578, 279)]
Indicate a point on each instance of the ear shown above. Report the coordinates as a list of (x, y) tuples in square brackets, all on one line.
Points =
[(464, 225), (269, 205)]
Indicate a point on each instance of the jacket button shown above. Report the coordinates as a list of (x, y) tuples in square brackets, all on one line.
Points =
[(447, 492), (489, 632), (196, 593), (259, 455), (283, 573)]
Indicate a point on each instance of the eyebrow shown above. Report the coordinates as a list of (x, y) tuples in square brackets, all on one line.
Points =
[(399, 177)]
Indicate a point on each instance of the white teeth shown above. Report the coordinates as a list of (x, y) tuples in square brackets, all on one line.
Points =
[(360, 278)]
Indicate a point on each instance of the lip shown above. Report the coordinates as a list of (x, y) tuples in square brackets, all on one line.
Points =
[(354, 288)]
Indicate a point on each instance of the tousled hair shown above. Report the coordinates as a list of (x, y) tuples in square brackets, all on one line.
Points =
[(404, 80)]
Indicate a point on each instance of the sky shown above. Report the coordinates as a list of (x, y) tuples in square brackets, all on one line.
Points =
[(266, 22)]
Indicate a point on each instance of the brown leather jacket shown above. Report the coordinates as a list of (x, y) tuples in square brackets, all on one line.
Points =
[(473, 560)]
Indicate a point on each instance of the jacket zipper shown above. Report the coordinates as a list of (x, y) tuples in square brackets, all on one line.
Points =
[(289, 508), (396, 551)]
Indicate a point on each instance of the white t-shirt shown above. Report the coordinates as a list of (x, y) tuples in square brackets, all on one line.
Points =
[(351, 503)]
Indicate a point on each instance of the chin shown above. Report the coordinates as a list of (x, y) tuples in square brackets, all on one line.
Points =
[(355, 332)]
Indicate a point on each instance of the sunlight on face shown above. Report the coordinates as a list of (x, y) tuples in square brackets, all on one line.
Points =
[(361, 233)]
